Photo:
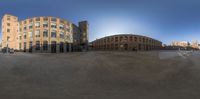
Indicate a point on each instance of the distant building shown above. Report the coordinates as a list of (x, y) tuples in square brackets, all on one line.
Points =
[(185, 45), (44, 34), (126, 42), (199, 46), (195, 44), (180, 43)]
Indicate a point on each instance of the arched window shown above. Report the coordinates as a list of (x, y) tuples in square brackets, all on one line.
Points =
[(30, 34), (45, 24), (53, 34), (45, 33), (53, 25), (62, 35), (37, 33), (37, 45), (45, 45)]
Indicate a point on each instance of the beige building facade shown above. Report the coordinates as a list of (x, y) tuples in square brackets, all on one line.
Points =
[(195, 44), (44, 34), (180, 43), (186, 44), (10, 31), (126, 42)]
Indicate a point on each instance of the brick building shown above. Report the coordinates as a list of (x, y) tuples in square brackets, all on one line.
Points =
[(126, 42)]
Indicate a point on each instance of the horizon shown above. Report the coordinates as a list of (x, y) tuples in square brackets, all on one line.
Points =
[(162, 20)]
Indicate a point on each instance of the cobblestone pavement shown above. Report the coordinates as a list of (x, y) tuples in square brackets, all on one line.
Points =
[(100, 75)]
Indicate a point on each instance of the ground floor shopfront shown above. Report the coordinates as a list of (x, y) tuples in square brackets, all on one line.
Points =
[(51, 48)]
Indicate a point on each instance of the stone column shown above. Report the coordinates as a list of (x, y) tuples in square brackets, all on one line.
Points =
[(70, 47), (41, 48), (49, 48), (57, 48), (65, 47), (33, 48)]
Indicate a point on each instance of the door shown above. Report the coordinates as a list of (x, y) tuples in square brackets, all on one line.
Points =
[(53, 47), (30, 47)]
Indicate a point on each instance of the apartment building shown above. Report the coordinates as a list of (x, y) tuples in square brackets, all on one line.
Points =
[(44, 34)]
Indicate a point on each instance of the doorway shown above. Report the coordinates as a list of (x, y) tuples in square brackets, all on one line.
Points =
[(139, 46), (30, 47), (125, 46), (53, 47), (61, 47)]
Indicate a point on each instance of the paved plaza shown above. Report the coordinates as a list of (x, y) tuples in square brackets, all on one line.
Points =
[(101, 75)]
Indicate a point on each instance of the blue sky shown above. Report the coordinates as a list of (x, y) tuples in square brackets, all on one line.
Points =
[(165, 20)]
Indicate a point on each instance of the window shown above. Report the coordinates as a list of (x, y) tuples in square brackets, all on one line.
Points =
[(53, 19), (68, 30), (112, 39), (37, 45), (121, 39), (61, 47), (24, 45), (61, 27), (108, 39), (53, 25), (45, 24), (68, 37), (112, 46), (20, 46), (30, 45), (8, 24), (8, 18), (25, 28), (45, 33), (24, 35), (30, 26), (62, 35), (62, 21), (116, 46), (104, 40), (20, 37), (147, 40), (126, 38), (37, 33), (131, 38), (53, 34), (37, 19), (116, 39), (8, 30), (45, 45), (30, 34), (135, 39), (37, 24), (45, 18)]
